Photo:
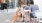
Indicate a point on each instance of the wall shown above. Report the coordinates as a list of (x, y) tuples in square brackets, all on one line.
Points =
[(39, 3)]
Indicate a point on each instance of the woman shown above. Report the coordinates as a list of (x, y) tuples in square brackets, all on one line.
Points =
[(24, 10)]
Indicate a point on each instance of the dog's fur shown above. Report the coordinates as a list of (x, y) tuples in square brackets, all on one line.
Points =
[(16, 15)]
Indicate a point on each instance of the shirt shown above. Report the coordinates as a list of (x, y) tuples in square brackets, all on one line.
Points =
[(26, 9), (34, 8)]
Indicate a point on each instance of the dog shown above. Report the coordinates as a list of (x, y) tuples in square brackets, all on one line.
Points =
[(16, 16)]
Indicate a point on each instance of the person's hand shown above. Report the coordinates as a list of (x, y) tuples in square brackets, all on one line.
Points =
[(29, 12)]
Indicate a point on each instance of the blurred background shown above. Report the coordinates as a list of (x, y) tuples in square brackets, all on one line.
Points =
[(7, 8)]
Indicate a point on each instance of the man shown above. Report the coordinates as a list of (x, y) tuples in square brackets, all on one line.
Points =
[(34, 8)]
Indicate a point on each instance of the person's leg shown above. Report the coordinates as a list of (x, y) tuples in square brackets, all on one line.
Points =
[(23, 15), (31, 18), (22, 18)]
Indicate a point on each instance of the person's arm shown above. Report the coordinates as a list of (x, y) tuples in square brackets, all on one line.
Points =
[(29, 10)]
